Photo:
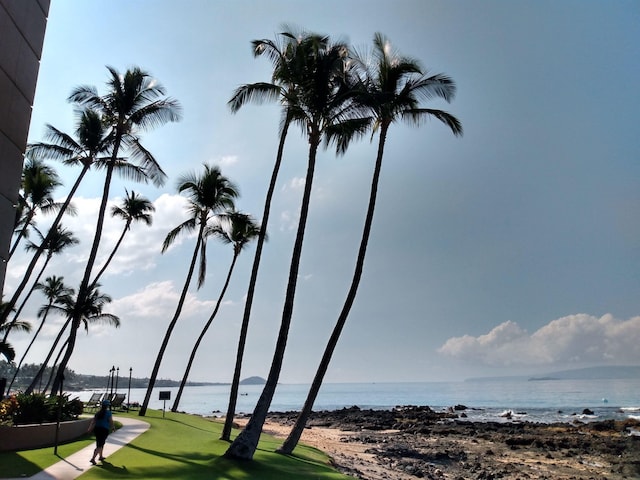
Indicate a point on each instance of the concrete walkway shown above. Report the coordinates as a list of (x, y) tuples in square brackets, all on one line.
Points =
[(78, 463)]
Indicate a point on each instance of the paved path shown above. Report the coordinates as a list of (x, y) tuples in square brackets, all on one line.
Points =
[(76, 464)]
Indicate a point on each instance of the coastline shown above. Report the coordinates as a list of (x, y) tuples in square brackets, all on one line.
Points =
[(416, 442)]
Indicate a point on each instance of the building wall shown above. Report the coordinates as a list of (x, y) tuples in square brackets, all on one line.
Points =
[(22, 28)]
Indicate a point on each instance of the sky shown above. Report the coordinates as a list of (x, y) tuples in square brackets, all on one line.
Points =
[(513, 250)]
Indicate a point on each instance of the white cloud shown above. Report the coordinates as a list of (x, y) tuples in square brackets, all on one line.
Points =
[(288, 221), (158, 301), (575, 339), (296, 184), (228, 160)]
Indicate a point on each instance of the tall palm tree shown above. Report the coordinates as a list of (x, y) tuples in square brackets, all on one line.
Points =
[(394, 87), (91, 143), (134, 208), (283, 88), (209, 195), (39, 181), (134, 102), (53, 244), (83, 311), (241, 230), (326, 111), (56, 293)]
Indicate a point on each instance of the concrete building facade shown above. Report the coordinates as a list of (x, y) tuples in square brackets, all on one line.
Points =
[(22, 29)]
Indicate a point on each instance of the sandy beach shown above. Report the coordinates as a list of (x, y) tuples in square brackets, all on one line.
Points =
[(415, 442)]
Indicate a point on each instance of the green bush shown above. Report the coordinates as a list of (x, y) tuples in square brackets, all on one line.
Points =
[(40, 408)]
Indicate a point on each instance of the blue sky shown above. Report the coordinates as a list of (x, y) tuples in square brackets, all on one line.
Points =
[(514, 249)]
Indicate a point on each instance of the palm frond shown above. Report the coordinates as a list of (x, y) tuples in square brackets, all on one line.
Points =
[(185, 227), (259, 93), (418, 115)]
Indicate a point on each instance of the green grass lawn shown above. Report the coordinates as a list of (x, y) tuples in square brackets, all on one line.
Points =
[(180, 446)]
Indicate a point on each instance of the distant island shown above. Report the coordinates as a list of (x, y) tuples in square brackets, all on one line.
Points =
[(589, 373), (253, 381)]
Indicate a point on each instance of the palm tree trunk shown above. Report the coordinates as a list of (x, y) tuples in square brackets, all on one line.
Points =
[(244, 446), (235, 383), (296, 432), (63, 348), (83, 290), (172, 324), (43, 367), (35, 335), (22, 233), (113, 252), (24, 302), (25, 279), (176, 402)]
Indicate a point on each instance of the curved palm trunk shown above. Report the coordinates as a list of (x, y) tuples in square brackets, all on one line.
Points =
[(35, 335), (27, 274), (172, 324), (113, 252), (294, 436), (24, 302), (176, 402), (22, 234), (43, 367), (83, 290), (245, 444), (235, 383), (53, 367)]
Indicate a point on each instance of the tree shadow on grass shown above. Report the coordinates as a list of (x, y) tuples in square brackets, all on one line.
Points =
[(15, 465)]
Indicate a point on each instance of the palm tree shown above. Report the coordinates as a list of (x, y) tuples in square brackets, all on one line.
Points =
[(90, 311), (209, 195), (283, 88), (38, 183), (134, 102), (395, 85), (92, 142), (53, 244), (241, 230), (324, 109), (134, 208), (6, 349), (56, 293)]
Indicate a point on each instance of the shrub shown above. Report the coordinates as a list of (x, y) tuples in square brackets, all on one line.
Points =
[(8, 407), (40, 408)]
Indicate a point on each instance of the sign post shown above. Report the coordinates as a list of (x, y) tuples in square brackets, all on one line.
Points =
[(164, 395)]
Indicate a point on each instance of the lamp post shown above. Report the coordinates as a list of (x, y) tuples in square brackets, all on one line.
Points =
[(113, 369), (117, 376), (129, 391)]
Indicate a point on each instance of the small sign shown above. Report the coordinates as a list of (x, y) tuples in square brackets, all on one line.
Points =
[(165, 395)]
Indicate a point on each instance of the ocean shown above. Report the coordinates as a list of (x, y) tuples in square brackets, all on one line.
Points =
[(500, 400)]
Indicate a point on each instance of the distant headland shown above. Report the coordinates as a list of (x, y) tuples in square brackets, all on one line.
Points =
[(589, 373)]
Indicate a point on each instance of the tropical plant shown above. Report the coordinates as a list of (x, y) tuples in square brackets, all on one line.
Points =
[(87, 310), (283, 88), (394, 87), (209, 195), (56, 293), (134, 102), (239, 231), (59, 239), (134, 208), (6, 349), (39, 181), (92, 142), (325, 110)]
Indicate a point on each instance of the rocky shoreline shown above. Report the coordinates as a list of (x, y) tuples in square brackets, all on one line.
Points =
[(417, 442)]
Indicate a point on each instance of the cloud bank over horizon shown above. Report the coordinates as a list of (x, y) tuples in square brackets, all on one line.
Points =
[(575, 340)]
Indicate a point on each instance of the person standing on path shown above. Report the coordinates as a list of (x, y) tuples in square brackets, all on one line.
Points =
[(101, 424)]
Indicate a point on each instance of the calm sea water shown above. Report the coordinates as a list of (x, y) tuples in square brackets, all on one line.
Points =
[(542, 400)]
